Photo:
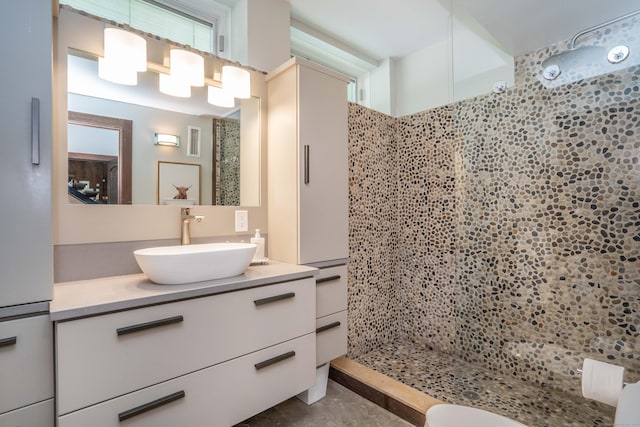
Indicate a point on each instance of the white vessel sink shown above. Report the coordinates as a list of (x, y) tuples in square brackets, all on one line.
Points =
[(173, 265)]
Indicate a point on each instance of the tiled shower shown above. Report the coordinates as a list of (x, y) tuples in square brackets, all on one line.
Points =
[(503, 230)]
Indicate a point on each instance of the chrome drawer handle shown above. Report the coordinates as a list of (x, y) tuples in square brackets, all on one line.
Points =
[(148, 325), (327, 279), (6, 342), (307, 178), (327, 327), (274, 360), (35, 131), (150, 405), (274, 298)]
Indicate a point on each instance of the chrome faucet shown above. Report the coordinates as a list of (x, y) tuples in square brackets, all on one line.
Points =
[(186, 218)]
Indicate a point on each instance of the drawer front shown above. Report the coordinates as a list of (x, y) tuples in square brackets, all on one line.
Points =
[(331, 290), (26, 361), (36, 415), (221, 395), (105, 356), (331, 337)]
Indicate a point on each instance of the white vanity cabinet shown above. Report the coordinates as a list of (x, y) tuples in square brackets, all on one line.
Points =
[(208, 361), (26, 372), (331, 314), (26, 260)]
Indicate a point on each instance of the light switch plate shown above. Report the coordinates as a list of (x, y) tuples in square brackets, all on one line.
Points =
[(242, 221)]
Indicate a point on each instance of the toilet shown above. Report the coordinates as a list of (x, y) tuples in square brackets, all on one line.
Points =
[(446, 415), (628, 408)]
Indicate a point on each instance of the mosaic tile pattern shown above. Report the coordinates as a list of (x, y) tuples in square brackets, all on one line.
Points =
[(227, 140), (453, 380), (516, 241), (426, 217), (548, 230), (372, 228)]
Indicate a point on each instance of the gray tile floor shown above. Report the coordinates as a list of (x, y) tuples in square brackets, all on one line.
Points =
[(340, 408)]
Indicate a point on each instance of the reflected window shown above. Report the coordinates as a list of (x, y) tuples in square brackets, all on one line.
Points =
[(157, 18)]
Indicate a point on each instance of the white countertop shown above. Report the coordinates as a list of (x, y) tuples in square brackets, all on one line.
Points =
[(98, 296)]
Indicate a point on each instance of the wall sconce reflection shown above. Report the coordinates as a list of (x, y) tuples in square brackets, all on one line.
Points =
[(166, 139)]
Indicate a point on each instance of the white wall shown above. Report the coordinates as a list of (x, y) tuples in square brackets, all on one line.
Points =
[(380, 88), (464, 63), (260, 33), (423, 79)]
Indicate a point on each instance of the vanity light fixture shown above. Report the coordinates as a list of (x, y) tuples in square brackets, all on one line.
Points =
[(166, 139), (187, 66), (169, 85), (236, 81), (220, 97), (125, 54)]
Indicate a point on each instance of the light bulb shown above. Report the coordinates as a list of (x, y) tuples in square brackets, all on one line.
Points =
[(220, 97), (236, 81), (125, 49), (171, 86), (187, 66)]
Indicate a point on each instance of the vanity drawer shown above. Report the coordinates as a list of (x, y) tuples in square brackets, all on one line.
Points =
[(331, 290), (221, 395), (26, 361), (331, 337), (110, 355), (36, 415)]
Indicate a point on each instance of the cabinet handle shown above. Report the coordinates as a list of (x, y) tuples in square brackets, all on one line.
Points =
[(306, 164), (6, 342), (327, 279), (150, 405), (327, 327), (274, 360), (35, 131), (148, 325), (274, 298)]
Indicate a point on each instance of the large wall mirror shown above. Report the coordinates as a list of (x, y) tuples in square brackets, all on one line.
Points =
[(114, 177)]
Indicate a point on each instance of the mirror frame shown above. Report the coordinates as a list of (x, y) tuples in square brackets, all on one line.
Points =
[(78, 224), (125, 130)]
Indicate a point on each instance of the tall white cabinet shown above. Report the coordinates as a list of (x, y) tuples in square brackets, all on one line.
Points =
[(307, 164), (26, 266), (308, 192)]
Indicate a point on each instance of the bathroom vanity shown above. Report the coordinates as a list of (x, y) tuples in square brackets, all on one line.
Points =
[(209, 353)]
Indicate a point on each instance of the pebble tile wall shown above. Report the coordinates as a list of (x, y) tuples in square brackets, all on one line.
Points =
[(372, 228), (227, 140), (504, 229)]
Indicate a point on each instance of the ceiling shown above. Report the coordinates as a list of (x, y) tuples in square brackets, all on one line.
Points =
[(382, 29)]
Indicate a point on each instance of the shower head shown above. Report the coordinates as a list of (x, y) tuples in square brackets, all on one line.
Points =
[(572, 59), (576, 57)]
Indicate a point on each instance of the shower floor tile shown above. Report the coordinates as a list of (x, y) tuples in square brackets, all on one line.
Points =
[(454, 381)]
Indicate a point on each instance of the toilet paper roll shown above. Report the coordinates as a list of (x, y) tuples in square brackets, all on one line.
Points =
[(602, 381)]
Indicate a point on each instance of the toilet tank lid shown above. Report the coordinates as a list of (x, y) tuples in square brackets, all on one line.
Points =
[(447, 415), (628, 409)]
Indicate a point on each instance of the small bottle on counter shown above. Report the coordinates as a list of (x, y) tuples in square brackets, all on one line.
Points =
[(258, 240)]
